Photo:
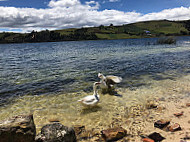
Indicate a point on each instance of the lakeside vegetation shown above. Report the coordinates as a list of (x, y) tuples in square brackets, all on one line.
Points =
[(135, 30)]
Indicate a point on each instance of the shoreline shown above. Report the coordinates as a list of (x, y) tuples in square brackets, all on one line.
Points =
[(149, 104), (140, 121)]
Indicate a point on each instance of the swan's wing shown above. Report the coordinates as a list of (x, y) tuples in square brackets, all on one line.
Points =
[(87, 99), (91, 102), (114, 79)]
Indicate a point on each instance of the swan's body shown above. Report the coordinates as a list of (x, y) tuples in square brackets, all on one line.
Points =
[(91, 100), (107, 82)]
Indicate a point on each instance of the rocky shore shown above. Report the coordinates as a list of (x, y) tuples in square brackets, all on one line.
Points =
[(164, 119)]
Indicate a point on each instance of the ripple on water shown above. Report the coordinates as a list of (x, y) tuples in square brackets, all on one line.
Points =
[(111, 109), (47, 79)]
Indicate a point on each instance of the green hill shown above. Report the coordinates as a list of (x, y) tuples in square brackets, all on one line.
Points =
[(135, 30)]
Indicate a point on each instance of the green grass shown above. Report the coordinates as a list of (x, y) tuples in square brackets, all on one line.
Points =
[(163, 26), (134, 30), (115, 36)]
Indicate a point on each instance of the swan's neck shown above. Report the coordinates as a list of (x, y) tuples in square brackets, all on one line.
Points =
[(94, 89), (96, 96), (103, 78)]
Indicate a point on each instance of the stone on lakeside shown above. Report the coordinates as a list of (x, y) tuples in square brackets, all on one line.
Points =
[(151, 105), (113, 134), (161, 123), (188, 104), (178, 114), (18, 129), (156, 137), (147, 140), (56, 132), (174, 127)]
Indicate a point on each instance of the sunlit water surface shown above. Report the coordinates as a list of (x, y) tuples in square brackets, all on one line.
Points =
[(47, 79)]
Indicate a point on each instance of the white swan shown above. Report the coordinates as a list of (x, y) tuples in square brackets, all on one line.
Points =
[(107, 82), (91, 100)]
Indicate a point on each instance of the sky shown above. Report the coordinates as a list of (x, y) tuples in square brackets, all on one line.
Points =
[(28, 15)]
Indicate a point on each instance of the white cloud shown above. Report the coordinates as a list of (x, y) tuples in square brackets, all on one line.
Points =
[(93, 4), (72, 13), (63, 3), (113, 0)]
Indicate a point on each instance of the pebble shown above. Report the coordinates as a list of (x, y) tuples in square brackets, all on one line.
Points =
[(174, 127), (178, 114), (156, 137), (113, 134), (188, 104), (161, 123), (147, 140)]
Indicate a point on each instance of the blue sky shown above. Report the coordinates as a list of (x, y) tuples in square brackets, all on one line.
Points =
[(142, 6), (27, 15)]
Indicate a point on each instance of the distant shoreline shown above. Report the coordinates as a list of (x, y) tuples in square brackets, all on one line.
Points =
[(147, 29)]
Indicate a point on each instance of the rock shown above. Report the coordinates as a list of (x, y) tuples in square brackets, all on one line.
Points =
[(186, 138), (87, 134), (151, 105), (178, 114), (147, 140), (156, 137), (161, 123), (83, 134), (52, 120), (56, 132), (18, 129), (174, 127), (188, 104), (113, 134), (79, 129)]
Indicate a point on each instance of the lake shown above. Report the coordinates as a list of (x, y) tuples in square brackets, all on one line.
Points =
[(47, 79)]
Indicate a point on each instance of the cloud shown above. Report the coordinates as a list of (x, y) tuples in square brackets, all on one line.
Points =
[(63, 3), (94, 4), (73, 14), (113, 0)]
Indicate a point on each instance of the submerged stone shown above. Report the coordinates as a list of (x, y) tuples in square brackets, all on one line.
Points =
[(83, 134), (56, 132), (79, 129), (113, 134), (18, 129)]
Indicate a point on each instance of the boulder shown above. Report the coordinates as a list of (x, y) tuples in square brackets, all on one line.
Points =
[(18, 129), (113, 134), (56, 132)]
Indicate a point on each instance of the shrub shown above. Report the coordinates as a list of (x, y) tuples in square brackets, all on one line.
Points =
[(167, 40)]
